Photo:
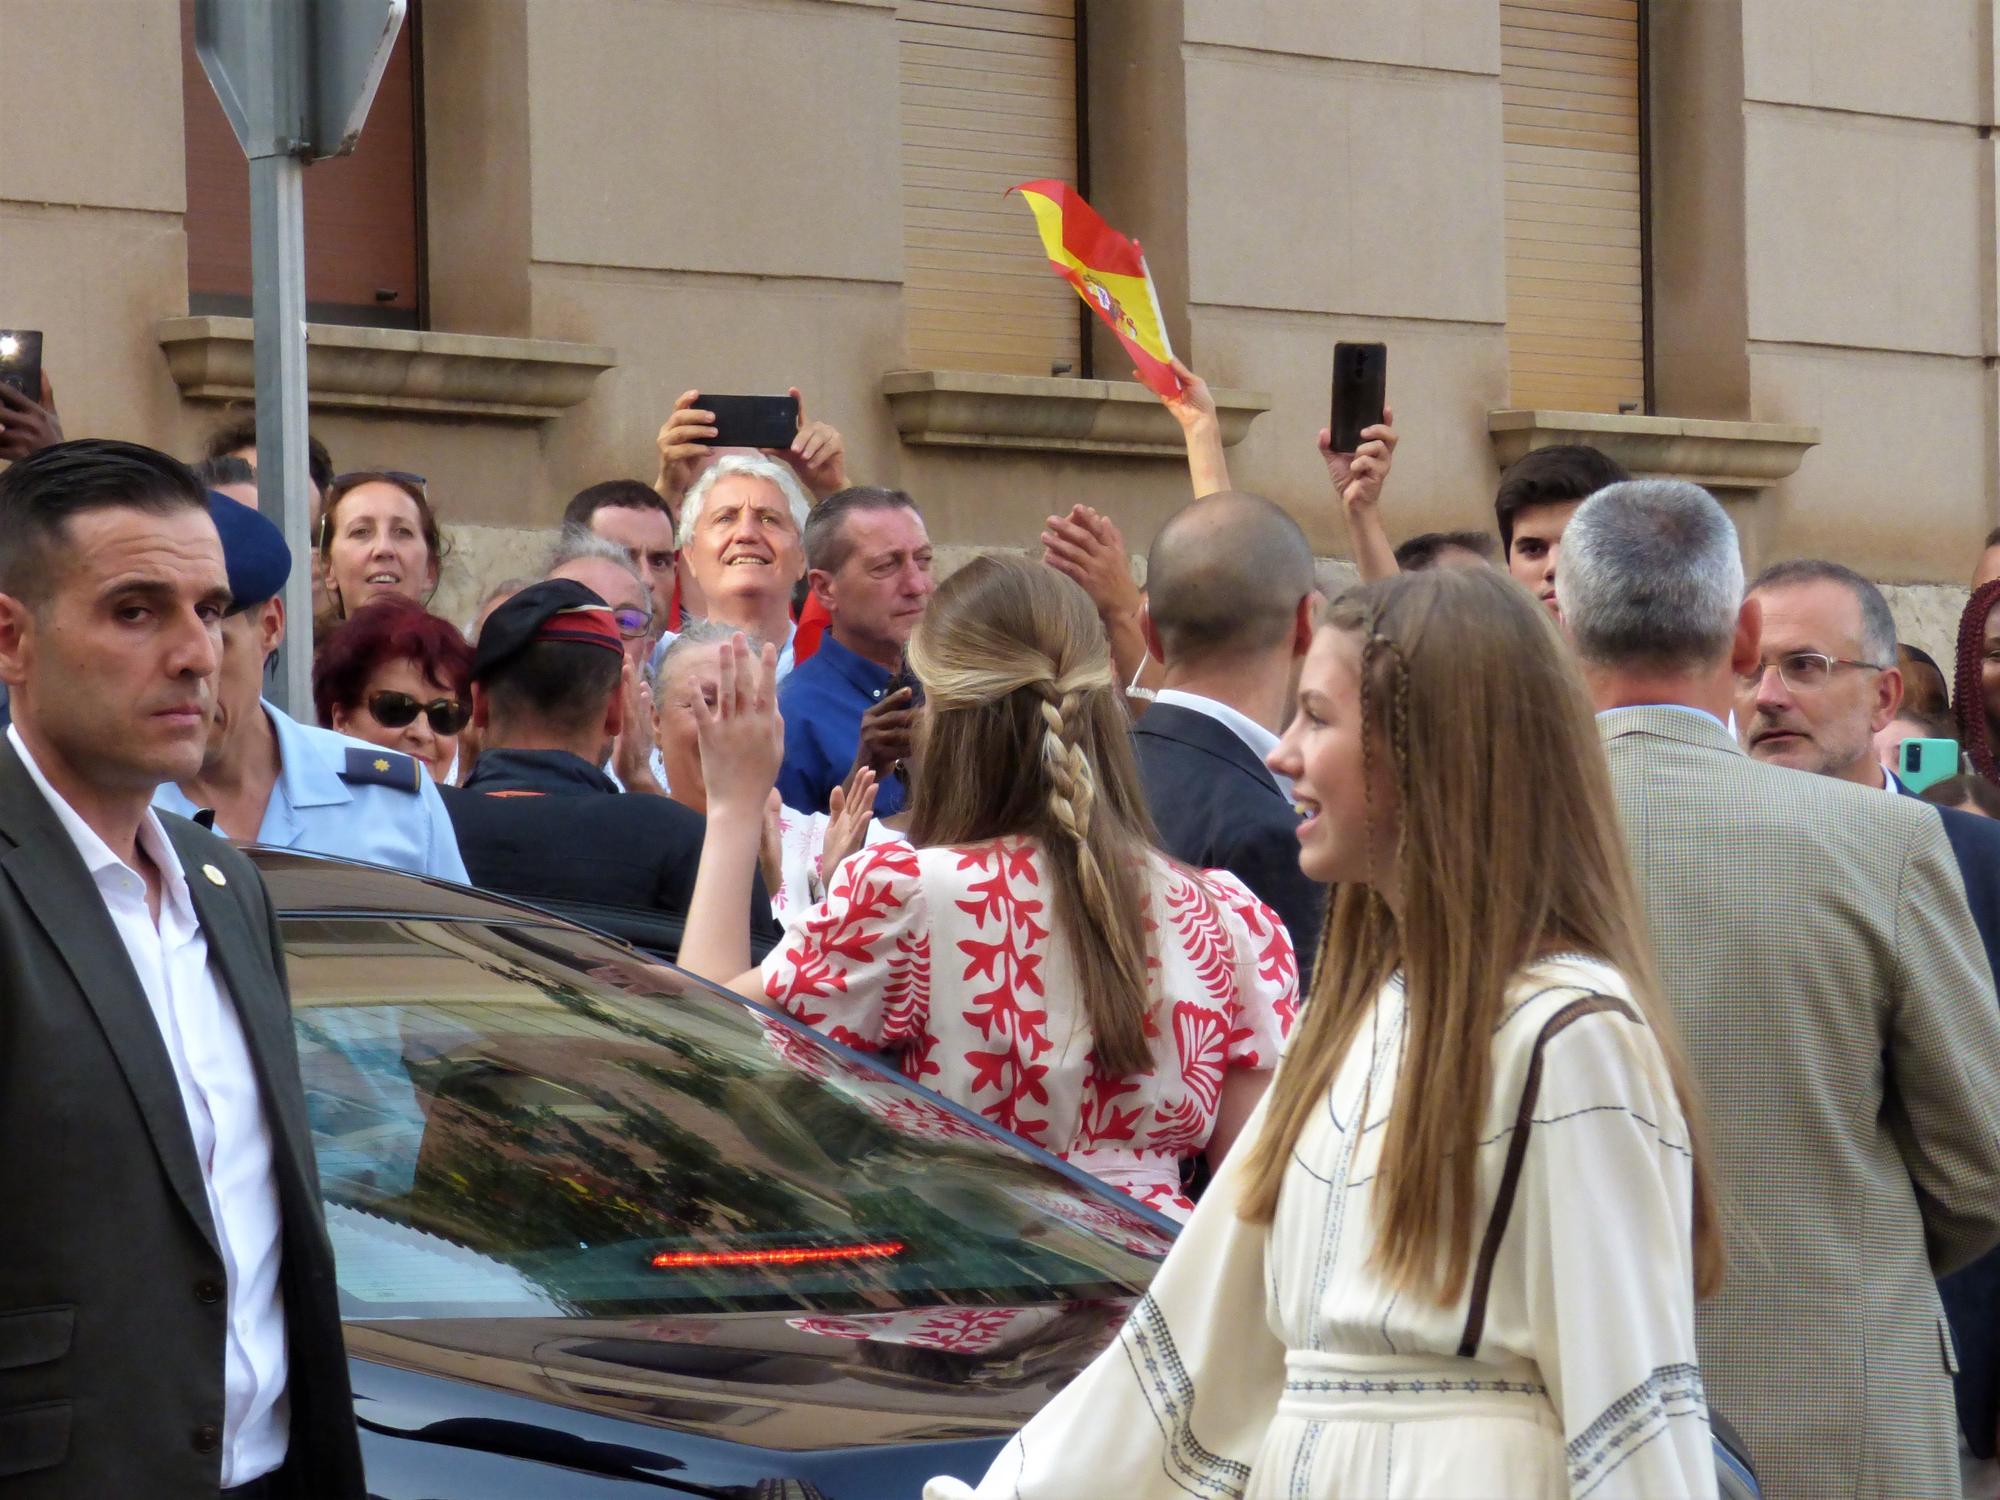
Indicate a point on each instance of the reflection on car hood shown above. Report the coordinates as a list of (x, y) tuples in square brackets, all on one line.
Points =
[(775, 1380)]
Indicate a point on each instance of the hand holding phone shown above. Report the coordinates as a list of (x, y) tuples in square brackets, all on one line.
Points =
[(1922, 763), (1360, 389), (21, 361)]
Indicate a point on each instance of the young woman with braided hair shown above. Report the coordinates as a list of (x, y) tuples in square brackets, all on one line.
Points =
[(1026, 952), (1457, 1250), (1975, 687)]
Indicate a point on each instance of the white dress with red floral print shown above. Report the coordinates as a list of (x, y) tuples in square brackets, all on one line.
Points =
[(945, 958)]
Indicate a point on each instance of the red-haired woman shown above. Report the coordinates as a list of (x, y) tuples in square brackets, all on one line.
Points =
[(396, 675), (1975, 686)]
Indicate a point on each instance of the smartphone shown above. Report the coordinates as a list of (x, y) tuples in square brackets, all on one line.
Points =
[(21, 361), (1924, 763), (905, 678), (752, 421), (1360, 386)]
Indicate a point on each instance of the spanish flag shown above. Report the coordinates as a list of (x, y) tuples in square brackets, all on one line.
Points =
[(1109, 272)]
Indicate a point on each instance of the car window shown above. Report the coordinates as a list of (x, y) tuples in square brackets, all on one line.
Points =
[(522, 1121)]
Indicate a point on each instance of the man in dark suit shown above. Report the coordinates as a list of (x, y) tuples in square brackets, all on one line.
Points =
[(168, 1319), (538, 818), (1229, 591), (1829, 684)]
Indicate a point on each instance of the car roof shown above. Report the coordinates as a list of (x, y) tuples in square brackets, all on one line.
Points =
[(322, 886)]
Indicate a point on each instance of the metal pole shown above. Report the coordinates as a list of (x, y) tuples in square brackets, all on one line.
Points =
[(278, 307)]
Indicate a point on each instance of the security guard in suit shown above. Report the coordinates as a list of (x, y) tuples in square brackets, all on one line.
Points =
[(269, 779)]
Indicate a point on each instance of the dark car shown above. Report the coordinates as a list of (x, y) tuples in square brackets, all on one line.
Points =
[(603, 1230)]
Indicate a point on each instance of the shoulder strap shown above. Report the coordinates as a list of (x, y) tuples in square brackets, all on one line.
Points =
[(1517, 1155)]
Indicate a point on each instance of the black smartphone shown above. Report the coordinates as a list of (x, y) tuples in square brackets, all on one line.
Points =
[(21, 361), (1360, 386), (905, 678), (752, 421)]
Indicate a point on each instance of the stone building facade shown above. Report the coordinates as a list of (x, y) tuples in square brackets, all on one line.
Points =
[(1743, 240)]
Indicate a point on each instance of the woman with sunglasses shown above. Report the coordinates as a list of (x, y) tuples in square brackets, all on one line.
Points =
[(378, 535), (397, 676)]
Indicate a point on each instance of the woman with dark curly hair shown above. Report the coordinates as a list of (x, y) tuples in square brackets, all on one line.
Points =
[(396, 675), (1975, 687)]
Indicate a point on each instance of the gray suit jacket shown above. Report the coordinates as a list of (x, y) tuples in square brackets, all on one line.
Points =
[(1839, 1012), (112, 1286)]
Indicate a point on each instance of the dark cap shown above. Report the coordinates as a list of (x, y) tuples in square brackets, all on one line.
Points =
[(253, 550), (559, 609)]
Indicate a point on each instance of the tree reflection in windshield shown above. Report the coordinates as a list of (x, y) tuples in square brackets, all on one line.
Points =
[(558, 1107)]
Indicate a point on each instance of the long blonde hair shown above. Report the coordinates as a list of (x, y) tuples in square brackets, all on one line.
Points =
[(1497, 825), (1023, 735)]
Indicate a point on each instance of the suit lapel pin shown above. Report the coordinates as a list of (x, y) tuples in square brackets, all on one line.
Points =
[(215, 876)]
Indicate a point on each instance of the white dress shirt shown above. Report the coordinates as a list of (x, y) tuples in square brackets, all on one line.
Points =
[(1260, 740), (225, 1115)]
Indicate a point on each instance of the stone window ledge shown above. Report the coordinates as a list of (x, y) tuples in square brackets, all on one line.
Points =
[(392, 369), (1738, 458), (966, 409)]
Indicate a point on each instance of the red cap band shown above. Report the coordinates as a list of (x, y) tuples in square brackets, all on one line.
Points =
[(584, 624)]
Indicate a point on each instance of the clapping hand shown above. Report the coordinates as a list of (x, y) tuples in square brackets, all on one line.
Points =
[(742, 736), (852, 805), (632, 751), (1087, 547)]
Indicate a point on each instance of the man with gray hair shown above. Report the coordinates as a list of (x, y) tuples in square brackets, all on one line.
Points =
[(1825, 685), (742, 530), (1827, 978)]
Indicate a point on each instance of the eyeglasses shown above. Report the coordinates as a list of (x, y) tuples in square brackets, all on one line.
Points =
[(1806, 671), (397, 710), (633, 623)]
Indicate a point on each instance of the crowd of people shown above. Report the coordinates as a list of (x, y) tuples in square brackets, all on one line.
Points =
[(1640, 1039)]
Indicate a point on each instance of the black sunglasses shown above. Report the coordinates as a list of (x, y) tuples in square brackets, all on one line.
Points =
[(396, 710)]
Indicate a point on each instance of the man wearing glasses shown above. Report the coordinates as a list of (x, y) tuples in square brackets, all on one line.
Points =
[(268, 779), (1826, 684)]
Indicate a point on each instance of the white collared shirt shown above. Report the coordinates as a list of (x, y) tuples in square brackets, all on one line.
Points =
[(225, 1114), (1260, 740)]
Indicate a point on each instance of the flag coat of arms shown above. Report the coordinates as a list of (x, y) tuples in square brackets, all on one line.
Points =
[(1109, 273)]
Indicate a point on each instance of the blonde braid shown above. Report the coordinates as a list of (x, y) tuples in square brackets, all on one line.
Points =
[(1072, 788)]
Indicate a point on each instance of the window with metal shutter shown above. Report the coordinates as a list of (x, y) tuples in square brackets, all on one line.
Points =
[(363, 256), (988, 100), (1576, 305)]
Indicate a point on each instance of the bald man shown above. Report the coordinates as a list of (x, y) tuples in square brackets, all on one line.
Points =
[(1229, 588)]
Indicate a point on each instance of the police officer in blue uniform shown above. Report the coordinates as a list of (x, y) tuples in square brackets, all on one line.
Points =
[(269, 779)]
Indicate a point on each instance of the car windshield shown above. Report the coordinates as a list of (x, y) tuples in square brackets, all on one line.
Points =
[(523, 1121)]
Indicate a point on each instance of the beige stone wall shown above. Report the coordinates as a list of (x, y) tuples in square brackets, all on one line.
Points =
[(711, 188)]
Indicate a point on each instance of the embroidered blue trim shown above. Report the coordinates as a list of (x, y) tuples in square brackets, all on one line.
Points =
[(1442, 1386), (1632, 1421), (1169, 1392)]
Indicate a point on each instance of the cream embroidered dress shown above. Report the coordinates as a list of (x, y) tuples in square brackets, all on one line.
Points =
[(1272, 1362)]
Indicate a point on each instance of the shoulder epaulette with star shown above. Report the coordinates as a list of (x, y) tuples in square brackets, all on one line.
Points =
[(368, 767)]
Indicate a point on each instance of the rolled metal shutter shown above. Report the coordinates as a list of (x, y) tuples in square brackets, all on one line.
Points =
[(988, 100), (1570, 100)]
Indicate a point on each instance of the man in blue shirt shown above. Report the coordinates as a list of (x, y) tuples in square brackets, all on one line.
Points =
[(869, 562), (268, 779)]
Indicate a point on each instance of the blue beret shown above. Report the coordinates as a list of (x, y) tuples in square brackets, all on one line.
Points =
[(253, 549)]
